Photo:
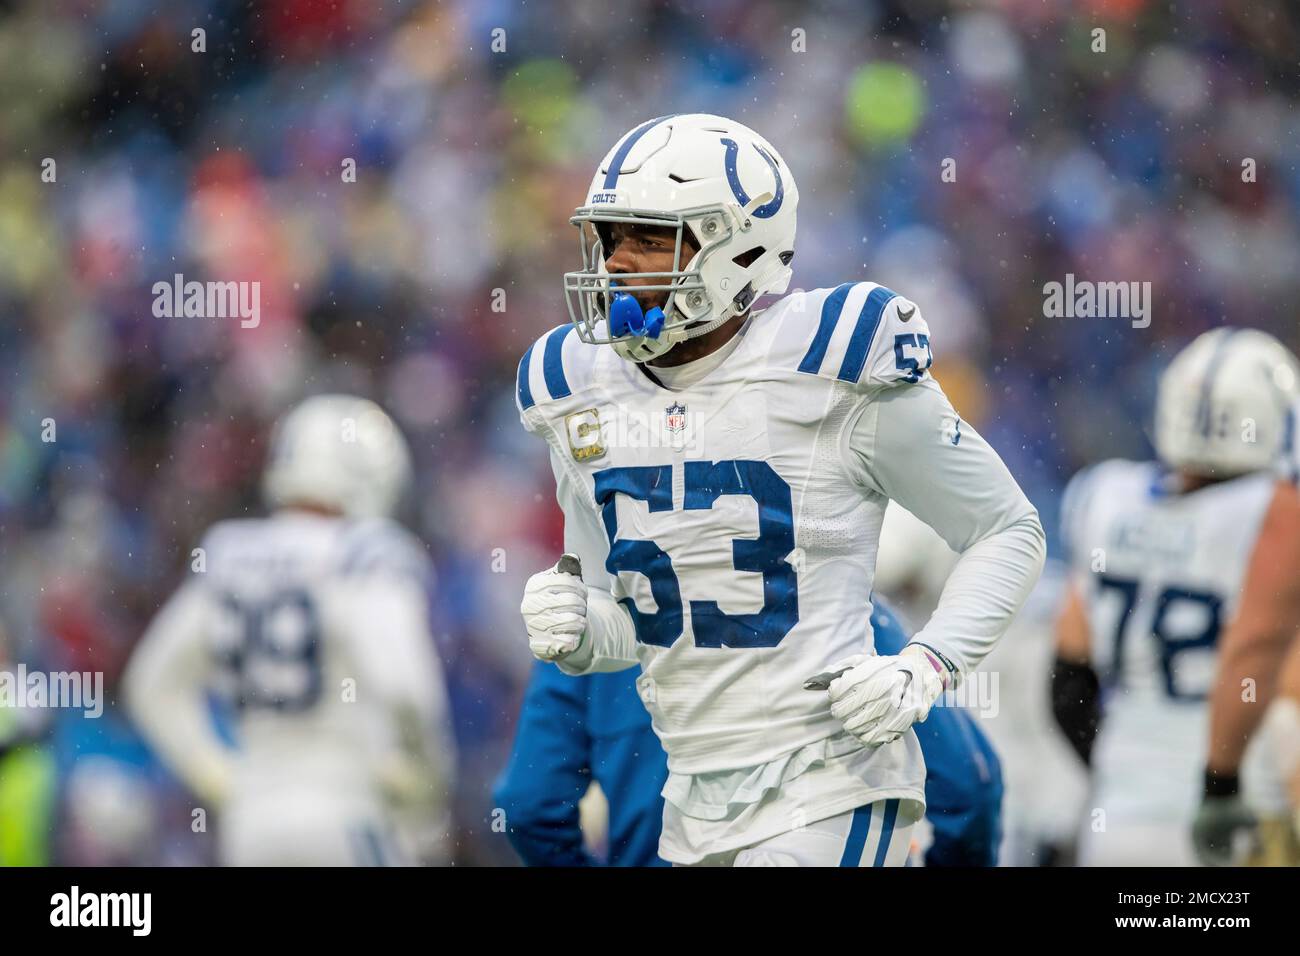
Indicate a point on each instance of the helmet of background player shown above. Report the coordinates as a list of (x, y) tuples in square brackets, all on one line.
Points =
[(713, 181), (1226, 404), (338, 452)]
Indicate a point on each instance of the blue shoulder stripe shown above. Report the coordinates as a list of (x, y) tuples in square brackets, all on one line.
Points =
[(553, 363), (525, 393), (855, 356), (831, 308)]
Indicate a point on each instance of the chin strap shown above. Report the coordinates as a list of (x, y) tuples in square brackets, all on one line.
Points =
[(738, 306), (704, 328)]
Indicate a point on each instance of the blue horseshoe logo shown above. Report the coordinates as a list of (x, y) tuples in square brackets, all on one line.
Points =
[(767, 210)]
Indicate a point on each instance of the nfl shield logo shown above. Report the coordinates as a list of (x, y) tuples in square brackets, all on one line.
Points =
[(675, 417)]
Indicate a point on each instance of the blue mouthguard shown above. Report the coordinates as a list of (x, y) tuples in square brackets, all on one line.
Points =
[(625, 316)]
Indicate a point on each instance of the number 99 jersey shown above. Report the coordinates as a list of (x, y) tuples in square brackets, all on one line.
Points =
[(314, 630), (728, 519), (1159, 574)]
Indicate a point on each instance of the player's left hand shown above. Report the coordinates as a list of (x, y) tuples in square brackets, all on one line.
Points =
[(880, 697), (1217, 822)]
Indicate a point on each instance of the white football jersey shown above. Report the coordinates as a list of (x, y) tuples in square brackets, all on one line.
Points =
[(1160, 575), (314, 630), (723, 517)]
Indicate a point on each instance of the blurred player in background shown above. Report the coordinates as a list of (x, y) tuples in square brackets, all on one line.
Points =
[(312, 624), (729, 548), (576, 732), (1176, 565), (1252, 771)]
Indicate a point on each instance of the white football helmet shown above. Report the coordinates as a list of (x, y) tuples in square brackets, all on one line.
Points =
[(1226, 404), (339, 452), (711, 175)]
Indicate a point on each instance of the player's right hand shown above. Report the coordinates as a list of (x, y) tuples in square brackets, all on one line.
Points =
[(555, 611), (1218, 820)]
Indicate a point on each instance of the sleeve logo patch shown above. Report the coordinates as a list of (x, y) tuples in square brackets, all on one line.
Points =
[(585, 440)]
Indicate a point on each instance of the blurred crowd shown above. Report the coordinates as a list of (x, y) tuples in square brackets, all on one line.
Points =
[(475, 126)]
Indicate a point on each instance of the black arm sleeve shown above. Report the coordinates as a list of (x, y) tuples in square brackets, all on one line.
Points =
[(1076, 704)]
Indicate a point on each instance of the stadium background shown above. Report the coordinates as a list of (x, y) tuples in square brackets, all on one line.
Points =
[(1123, 165)]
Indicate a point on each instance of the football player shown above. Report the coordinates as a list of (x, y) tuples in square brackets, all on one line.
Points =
[(578, 731), (312, 624), (1178, 566), (723, 473), (1255, 702)]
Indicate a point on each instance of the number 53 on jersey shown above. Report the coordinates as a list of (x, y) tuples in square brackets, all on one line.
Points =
[(705, 482)]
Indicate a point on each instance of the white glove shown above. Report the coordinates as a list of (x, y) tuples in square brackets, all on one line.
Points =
[(878, 698), (555, 611)]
